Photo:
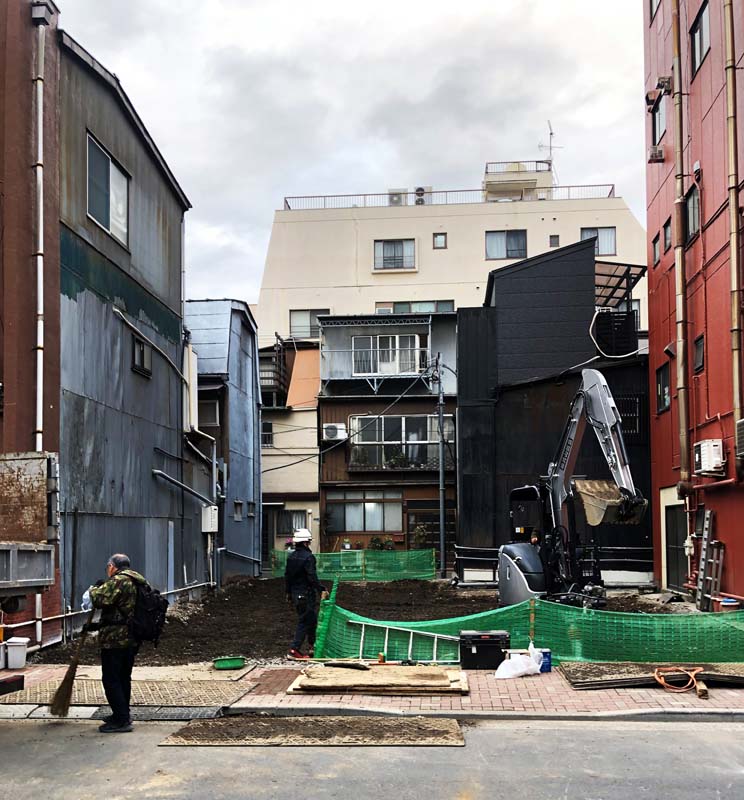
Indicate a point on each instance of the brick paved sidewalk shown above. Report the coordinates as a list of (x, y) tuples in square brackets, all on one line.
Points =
[(538, 695), (547, 695)]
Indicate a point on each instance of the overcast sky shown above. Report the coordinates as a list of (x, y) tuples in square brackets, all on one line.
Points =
[(252, 100)]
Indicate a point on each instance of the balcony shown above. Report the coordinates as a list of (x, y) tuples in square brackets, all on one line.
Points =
[(515, 193), (273, 378), (422, 456), (402, 362)]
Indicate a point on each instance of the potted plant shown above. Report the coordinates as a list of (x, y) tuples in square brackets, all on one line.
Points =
[(346, 544), (375, 543), (359, 544), (388, 544)]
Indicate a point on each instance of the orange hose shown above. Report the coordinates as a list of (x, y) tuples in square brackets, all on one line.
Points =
[(691, 672)]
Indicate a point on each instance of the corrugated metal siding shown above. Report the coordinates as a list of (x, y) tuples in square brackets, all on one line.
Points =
[(209, 322)]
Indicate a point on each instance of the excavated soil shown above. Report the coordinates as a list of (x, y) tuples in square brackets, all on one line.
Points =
[(252, 618)]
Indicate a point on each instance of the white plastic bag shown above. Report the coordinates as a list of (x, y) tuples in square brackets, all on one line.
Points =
[(519, 665), (87, 603)]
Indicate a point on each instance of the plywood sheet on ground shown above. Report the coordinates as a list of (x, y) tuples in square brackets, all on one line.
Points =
[(381, 679), (319, 732), (614, 675), (144, 693)]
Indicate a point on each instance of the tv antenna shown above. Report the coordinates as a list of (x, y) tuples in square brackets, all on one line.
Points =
[(550, 147)]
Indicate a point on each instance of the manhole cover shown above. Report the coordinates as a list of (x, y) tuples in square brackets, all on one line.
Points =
[(319, 731), (144, 693)]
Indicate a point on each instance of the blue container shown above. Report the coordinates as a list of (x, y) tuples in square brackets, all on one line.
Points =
[(547, 662)]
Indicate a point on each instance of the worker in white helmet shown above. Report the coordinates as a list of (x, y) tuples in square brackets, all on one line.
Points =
[(303, 588)]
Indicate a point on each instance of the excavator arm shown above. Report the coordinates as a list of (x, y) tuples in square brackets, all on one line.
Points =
[(604, 501)]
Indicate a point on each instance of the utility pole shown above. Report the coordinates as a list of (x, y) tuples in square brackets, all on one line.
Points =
[(440, 409)]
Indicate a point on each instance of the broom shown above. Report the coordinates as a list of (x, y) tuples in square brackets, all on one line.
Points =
[(61, 701)]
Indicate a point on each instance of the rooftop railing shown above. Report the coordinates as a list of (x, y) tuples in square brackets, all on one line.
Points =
[(449, 197), (498, 167)]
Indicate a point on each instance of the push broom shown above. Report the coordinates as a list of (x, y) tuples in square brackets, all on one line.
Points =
[(61, 701)]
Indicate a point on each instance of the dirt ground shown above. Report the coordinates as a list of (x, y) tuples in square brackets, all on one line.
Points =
[(252, 618)]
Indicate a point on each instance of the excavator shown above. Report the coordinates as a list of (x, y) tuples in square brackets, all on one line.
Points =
[(546, 559)]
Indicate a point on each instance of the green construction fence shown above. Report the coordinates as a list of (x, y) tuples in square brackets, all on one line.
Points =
[(366, 565), (572, 634)]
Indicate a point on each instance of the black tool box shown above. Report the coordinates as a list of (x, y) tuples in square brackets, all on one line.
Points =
[(483, 649)]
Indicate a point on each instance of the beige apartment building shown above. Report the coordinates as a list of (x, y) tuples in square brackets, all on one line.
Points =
[(407, 250)]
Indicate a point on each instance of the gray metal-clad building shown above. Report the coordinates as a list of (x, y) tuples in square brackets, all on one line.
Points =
[(224, 336), (121, 394)]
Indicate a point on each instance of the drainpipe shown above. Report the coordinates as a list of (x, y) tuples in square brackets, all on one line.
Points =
[(41, 17), (733, 203), (683, 487)]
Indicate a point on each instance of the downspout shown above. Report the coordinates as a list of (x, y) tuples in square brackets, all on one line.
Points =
[(680, 276), (40, 18), (733, 203)]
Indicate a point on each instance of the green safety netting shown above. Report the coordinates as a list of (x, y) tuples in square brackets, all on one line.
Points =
[(366, 565), (572, 634)]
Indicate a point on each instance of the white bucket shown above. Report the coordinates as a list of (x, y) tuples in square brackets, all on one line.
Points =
[(17, 647)]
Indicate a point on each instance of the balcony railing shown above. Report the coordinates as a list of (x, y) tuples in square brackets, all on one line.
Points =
[(408, 456), (450, 197), (498, 167), (378, 362)]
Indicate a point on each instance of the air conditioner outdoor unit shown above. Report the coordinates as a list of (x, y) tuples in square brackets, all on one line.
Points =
[(740, 439), (334, 432), (708, 457), (423, 195), (655, 154), (397, 197)]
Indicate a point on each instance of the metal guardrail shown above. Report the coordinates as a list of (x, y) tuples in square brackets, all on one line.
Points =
[(403, 457), (499, 167), (448, 197), (376, 362)]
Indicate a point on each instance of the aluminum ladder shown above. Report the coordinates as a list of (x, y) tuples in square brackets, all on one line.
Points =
[(437, 637)]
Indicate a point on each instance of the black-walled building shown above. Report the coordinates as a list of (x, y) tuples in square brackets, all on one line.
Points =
[(519, 367)]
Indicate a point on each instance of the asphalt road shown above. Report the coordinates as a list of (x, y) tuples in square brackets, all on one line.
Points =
[(506, 760)]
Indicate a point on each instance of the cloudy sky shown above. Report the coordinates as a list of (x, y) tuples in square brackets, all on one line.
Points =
[(252, 100)]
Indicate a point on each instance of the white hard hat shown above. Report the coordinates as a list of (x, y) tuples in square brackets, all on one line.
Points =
[(302, 535)]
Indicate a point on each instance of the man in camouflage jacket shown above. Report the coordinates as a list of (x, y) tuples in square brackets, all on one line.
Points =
[(116, 598)]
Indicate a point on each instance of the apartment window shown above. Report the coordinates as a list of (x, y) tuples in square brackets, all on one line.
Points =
[(658, 120), (698, 363), (423, 306), (396, 442), (663, 392), (555, 240), (692, 213), (267, 434), (238, 510), (440, 241), (303, 323), (699, 38), (141, 356), (606, 244), (667, 234), (395, 254), (370, 511), (656, 250), (288, 521), (383, 308), (209, 413), (108, 192), (387, 355), (506, 244), (654, 6)]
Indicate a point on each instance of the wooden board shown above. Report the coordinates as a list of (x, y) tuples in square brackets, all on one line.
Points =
[(627, 674), (382, 679)]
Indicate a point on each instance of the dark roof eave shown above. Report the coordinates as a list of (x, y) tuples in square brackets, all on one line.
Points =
[(113, 82)]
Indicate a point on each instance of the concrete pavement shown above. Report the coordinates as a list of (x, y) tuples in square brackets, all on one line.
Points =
[(534, 760)]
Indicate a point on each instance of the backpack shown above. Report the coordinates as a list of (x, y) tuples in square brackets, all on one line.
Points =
[(148, 618)]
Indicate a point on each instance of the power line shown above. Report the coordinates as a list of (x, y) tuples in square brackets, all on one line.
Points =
[(373, 419)]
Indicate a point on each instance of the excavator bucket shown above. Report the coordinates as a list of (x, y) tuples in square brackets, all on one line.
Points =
[(604, 502)]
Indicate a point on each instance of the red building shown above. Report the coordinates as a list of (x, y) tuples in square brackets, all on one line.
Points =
[(693, 179)]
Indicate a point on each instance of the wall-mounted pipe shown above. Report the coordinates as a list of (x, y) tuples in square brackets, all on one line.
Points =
[(41, 20), (680, 272), (733, 203)]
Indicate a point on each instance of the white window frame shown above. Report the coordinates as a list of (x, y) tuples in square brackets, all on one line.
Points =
[(394, 367), (590, 233), (658, 120), (210, 424), (408, 260), (692, 213), (505, 234), (267, 434), (115, 175), (311, 312)]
